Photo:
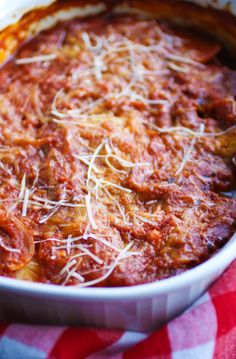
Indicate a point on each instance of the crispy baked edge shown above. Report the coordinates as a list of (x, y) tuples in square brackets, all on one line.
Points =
[(218, 23)]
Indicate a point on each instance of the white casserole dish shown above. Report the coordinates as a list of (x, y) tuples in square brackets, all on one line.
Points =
[(142, 307)]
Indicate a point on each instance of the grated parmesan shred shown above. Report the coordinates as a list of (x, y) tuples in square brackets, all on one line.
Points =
[(89, 211), (25, 202), (22, 187), (188, 153), (121, 256), (8, 249), (33, 59)]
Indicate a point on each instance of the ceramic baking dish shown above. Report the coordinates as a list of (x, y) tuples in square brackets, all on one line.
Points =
[(142, 307)]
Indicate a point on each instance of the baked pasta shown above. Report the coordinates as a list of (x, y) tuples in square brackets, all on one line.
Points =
[(117, 152)]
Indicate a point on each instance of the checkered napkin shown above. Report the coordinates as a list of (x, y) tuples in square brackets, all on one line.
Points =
[(206, 330)]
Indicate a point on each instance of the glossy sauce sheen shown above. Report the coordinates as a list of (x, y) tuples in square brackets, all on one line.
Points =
[(117, 140)]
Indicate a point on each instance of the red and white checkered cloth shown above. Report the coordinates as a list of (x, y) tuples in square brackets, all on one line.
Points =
[(205, 331)]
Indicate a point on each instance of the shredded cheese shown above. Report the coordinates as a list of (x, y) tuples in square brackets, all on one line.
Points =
[(127, 164), (103, 241), (121, 256), (87, 41), (90, 254), (111, 184), (25, 202), (85, 161), (93, 159), (33, 59), (50, 214), (8, 249), (5, 169), (188, 131), (89, 211), (177, 68), (62, 203), (187, 155), (185, 60), (22, 187), (117, 204)]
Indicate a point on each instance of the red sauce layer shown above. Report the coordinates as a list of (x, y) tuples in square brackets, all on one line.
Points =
[(117, 139)]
